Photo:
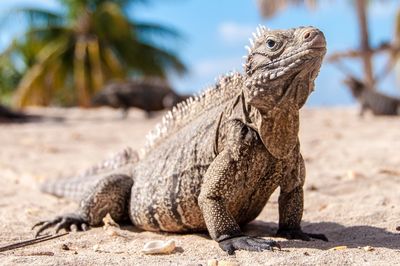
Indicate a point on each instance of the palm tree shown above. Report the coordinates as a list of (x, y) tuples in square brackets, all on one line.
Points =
[(89, 42), (365, 47)]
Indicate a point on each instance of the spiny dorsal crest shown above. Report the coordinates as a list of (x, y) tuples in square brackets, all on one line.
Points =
[(260, 31), (226, 87)]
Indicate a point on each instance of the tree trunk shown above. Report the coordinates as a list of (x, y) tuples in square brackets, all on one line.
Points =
[(361, 8)]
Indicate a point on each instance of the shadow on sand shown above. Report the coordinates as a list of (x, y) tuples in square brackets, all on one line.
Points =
[(350, 236), (338, 235)]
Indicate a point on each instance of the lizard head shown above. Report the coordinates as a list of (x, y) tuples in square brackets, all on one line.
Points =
[(282, 65), (280, 71)]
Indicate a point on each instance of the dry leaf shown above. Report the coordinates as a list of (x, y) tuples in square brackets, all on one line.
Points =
[(109, 222), (338, 248), (389, 172)]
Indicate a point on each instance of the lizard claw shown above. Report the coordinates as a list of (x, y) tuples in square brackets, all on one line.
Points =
[(248, 243), (299, 234), (69, 222)]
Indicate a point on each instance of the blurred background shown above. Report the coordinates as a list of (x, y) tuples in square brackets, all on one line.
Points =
[(63, 52)]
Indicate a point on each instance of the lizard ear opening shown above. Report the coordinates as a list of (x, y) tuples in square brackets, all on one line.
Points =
[(278, 130)]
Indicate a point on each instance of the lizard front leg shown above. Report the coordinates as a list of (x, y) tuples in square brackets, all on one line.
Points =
[(110, 195), (219, 186), (291, 201)]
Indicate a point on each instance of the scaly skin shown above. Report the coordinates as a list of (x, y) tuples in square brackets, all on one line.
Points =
[(213, 162)]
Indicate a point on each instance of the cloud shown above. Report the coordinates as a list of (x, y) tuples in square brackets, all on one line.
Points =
[(234, 32), (215, 67), (382, 9), (205, 73)]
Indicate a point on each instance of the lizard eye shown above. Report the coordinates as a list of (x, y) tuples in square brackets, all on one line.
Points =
[(271, 43)]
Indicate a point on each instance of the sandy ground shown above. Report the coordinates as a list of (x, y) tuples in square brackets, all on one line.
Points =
[(352, 192)]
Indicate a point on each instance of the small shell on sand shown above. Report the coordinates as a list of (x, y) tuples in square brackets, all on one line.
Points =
[(159, 247), (368, 248)]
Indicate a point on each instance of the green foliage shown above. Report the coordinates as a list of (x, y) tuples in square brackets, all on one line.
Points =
[(9, 77), (66, 57)]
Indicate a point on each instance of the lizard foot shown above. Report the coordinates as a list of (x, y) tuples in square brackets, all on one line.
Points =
[(69, 222), (248, 243), (298, 234)]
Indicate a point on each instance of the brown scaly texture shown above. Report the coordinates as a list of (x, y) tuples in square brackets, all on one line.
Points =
[(378, 103), (214, 160)]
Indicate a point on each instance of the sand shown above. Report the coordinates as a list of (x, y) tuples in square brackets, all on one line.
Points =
[(351, 192)]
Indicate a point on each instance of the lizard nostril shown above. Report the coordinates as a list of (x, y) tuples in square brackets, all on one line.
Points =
[(307, 36)]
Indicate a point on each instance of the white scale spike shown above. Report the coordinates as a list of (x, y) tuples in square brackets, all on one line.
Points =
[(258, 32), (251, 42), (248, 49)]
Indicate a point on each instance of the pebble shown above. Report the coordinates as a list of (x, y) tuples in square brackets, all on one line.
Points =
[(159, 247), (212, 262), (96, 248), (368, 248), (64, 247)]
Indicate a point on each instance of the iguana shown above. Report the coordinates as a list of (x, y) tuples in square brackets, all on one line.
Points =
[(148, 95), (377, 102), (7, 115), (215, 159)]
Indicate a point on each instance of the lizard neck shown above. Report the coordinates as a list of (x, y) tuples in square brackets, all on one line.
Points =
[(277, 127)]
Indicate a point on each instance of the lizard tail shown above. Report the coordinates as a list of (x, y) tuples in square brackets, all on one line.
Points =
[(75, 187)]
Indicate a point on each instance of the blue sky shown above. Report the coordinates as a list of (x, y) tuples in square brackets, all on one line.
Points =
[(215, 33)]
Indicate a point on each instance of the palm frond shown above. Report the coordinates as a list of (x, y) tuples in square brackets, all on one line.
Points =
[(68, 56), (93, 50), (112, 66), (30, 89), (80, 72)]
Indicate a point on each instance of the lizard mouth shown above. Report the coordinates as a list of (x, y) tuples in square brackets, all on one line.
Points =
[(288, 64)]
